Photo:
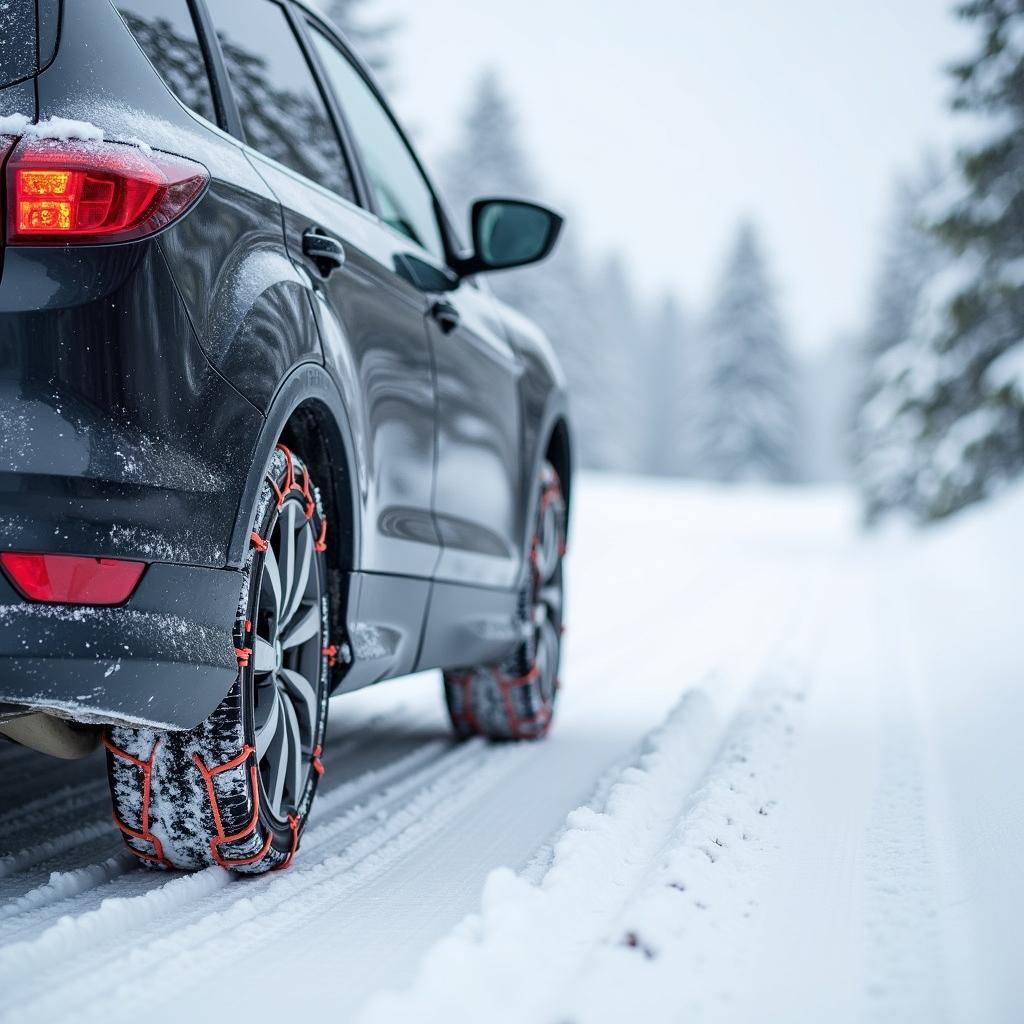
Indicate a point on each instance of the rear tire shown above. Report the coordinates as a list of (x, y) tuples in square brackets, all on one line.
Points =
[(515, 700), (236, 791)]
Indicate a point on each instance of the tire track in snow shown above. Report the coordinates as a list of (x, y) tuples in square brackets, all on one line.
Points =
[(93, 793), (121, 930), (122, 876), (599, 666), (69, 803), (99, 835)]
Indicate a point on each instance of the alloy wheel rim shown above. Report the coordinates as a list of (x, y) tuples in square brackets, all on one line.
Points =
[(287, 652), (547, 603)]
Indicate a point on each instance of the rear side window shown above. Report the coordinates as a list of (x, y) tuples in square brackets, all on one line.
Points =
[(404, 199), (17, 40), (283, 112), (165, 31)]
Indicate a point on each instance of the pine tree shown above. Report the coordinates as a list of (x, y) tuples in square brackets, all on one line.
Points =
[(671, 391), (953, 394), (884, 428), (749, 420), (974, 408), (623, 347)]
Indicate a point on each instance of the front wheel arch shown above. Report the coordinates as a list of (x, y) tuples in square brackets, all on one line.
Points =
[(559, 453)]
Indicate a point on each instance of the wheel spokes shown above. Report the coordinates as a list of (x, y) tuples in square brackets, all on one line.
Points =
[(302, 693), (286, 556), (278, 761), (548, 543), (272, 579), (547, 657), (302, 629), (289, 616), (264, 656), (303, 555), (295, 769), (267, 732)]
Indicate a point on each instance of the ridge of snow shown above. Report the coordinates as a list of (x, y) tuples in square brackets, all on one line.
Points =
[(63, 128)]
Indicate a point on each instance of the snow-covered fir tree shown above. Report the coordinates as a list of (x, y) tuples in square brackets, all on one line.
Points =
[(623, 347), (489, 158), (912, 255), (749, 423), (953, 393), (671, 389), (975, 406)]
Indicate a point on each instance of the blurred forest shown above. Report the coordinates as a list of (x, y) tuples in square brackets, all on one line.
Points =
[(922, 406)]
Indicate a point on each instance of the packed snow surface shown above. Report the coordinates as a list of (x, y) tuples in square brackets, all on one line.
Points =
[(783, 785)]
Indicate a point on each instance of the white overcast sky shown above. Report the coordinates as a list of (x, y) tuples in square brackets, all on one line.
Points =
[(657, 125)]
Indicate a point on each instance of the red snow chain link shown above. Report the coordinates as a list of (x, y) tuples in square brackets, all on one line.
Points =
[(290, 483), (258, 542), (331, 653), (318, 765), (243, 654), (321, 541), (143, 835), (293, 824), (466, 716), (221, 839), (521, 727)]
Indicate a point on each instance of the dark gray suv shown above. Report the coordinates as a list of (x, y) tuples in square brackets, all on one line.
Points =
[(267, 435)]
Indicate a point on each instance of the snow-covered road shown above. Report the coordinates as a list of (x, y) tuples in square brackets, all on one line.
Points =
[(784, 784)]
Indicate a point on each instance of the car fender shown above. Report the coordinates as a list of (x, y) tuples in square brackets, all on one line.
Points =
[(310, 387)]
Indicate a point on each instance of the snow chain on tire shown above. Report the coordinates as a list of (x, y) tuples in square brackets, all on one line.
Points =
[(192, 799), (515, 700)]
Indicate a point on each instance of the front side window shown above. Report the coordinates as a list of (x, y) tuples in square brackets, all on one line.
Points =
[(404, 199), (167, 35), (282, 110)]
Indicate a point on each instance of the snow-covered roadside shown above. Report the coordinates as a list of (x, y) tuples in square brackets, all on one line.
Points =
[(822, 862), (805, 752)]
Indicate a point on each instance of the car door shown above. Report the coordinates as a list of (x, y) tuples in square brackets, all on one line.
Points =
[(370, 315), (477, 486)]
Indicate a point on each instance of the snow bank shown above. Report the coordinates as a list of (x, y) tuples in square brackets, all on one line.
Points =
[(626, 885)]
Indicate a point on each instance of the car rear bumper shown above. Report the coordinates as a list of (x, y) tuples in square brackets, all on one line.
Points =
[(163, 659)]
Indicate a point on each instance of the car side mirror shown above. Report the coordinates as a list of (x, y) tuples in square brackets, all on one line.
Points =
[(509, 233)]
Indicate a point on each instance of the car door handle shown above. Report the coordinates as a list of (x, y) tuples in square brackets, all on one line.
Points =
[(446, 315), (324, 250)]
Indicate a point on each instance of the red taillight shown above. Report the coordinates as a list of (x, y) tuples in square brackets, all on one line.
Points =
[(82, 193), (70, 579)]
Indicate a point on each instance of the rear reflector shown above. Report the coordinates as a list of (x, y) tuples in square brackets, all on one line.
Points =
[(88, 193), (70, 579)]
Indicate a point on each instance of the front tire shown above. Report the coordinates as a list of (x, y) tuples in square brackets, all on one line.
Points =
[(236, 791), (515, 700)]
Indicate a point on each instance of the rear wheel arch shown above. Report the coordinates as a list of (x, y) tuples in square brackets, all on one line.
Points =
[(313, 430), (308, 416)]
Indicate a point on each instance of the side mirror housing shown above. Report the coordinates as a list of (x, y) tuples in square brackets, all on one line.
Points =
[(509, 233)]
